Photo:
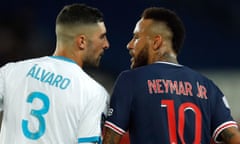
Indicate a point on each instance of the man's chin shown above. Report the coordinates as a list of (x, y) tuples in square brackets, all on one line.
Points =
[(92, 65)]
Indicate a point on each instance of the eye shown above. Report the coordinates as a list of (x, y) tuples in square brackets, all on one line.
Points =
[(103, 36), (135, 37)]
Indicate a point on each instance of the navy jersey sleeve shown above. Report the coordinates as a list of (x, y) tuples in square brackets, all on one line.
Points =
[(120, 104), (221, 114)]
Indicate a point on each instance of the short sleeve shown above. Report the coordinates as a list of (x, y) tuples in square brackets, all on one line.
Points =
[(2, 91), (221, 114), (89, 130), (120, 104)]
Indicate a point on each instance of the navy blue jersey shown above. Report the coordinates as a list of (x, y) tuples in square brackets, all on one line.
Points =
[(167, 103)]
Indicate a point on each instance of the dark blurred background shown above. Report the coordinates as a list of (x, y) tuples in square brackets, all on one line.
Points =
[(27, 29)]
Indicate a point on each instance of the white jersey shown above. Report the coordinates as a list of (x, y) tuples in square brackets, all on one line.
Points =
[(50, 100)]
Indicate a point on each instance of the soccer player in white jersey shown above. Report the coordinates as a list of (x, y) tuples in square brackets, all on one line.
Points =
[(51, 100)]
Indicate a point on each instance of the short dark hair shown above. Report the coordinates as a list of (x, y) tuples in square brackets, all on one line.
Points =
[(172, 21), (79, 13)]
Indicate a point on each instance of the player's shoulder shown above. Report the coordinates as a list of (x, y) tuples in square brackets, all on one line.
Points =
[(96, 83), (164, 68), (91, 82), (130, 74), (126, 73), (134, 70), (201, 78), (20, 63), (25, 61), (142, 70), (196, 73)]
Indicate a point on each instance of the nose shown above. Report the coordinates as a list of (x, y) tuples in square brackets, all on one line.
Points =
[(130, 45), (106, 44)]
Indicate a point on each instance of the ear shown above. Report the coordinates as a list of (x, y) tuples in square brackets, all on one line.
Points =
[(81, 41), (157, 42)]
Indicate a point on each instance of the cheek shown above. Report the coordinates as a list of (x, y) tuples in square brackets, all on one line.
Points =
[(95, 46), (138, 46)]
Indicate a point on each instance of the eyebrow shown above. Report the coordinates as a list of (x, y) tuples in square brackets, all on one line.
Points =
[(103, 35)]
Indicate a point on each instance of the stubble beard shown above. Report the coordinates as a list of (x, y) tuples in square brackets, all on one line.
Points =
[(141, 59)]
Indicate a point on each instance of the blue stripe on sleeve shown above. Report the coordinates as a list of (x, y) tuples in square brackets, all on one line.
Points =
[(95, 139)]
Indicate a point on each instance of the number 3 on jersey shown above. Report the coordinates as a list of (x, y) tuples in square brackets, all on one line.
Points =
[(169, 104), (37, 113)]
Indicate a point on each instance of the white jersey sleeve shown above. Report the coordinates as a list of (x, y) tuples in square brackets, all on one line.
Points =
[(1, 87), (90, 118)]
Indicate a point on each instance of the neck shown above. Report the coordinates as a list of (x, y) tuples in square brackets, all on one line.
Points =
[(67, 54), (169, 57)]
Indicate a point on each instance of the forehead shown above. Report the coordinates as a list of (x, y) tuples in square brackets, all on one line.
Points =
[(142, 26), (99, 28), (102, 27), (96, 29), (76, 29)]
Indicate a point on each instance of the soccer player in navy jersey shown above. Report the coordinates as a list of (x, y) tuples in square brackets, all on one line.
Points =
[(51, 99), (161, 101)]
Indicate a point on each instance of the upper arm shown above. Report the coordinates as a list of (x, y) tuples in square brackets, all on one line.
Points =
[(230, 135), (111, 137)]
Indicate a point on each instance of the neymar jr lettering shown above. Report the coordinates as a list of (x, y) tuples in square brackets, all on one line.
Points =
[(184, 88)]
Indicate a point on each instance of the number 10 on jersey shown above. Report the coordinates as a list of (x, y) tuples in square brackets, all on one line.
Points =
[(171, 115)]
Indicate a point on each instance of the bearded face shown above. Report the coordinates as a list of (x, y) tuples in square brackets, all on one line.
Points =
[(140, 58), (97, 43), (140, 44)]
